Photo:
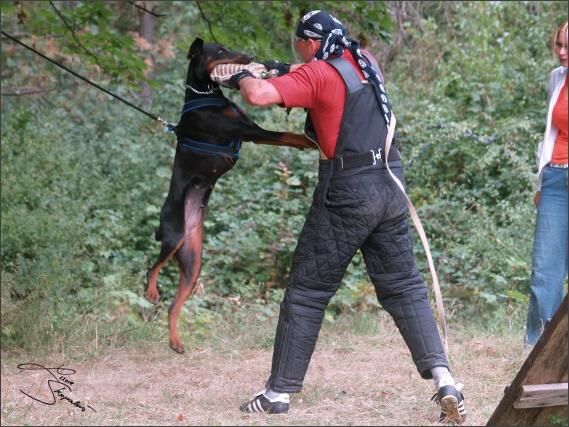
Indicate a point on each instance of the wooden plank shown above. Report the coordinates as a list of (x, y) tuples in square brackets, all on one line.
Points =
[(546, 364), (542, 395)]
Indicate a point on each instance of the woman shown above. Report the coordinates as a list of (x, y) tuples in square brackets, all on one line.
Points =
[(549, 265)]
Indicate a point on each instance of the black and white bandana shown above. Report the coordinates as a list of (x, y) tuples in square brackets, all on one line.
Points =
[(322, 26)]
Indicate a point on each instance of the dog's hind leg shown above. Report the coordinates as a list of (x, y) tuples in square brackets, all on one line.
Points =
[(189, 256), (166, 253), (171, 233)]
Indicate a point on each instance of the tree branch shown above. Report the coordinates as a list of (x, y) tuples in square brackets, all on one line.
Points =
[(206, 20), (29, 90), (87, 51), (17, 35), (146, 10)]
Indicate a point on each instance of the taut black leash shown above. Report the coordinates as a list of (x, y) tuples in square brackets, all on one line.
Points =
[(152, 116)]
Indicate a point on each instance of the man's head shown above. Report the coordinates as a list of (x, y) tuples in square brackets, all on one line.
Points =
[(317, 24), (324, 35), (320, 35)]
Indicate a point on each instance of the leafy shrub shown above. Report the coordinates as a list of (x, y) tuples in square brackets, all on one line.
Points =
[(84, 178)]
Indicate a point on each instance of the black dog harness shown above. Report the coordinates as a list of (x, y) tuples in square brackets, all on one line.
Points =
[(231, 148)]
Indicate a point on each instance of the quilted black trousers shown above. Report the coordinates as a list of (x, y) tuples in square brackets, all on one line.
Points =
[(353, 209)]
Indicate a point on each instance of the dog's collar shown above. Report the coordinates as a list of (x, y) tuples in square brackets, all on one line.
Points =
[(211, 90)]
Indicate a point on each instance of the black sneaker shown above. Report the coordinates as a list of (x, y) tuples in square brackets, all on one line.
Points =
[(262, 404), (452, 404)]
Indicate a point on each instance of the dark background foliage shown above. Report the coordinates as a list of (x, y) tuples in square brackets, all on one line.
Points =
[(84, 176)]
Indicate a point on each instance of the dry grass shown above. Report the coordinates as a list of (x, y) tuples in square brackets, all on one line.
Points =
[(355, 378)]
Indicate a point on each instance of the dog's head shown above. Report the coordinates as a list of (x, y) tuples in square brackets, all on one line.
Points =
[(205, 56)]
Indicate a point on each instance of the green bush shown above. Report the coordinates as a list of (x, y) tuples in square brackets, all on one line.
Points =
[(84, 178)]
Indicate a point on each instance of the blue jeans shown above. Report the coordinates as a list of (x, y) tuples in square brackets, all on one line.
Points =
[(549, 264)]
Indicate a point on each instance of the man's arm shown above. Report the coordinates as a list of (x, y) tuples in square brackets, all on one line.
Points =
[(260, 92)]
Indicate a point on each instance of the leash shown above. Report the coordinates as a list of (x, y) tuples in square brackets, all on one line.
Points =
[(152, 116), (422, 235)]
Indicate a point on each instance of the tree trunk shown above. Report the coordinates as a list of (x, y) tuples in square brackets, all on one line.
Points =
[(146, 32), (146, 27)]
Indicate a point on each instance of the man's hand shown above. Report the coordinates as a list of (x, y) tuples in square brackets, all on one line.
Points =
[(235, 78), (282, 67)]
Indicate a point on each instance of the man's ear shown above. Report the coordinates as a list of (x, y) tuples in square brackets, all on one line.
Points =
[(314, 45)]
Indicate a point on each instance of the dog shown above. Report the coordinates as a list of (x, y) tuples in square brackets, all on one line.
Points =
[(209, 136)]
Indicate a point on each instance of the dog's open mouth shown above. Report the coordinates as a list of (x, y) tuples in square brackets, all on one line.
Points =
[(221, 73), (239, 61)]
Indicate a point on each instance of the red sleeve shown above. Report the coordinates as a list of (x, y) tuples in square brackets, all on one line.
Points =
[(320, 88)]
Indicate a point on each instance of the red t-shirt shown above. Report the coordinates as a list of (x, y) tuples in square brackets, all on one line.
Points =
[(319, 87), (559, 119)]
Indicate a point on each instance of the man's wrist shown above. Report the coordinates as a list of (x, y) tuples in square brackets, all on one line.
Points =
[(237, 77), (281, 67)]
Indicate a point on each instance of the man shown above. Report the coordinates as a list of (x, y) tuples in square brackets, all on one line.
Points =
[(356, 205)]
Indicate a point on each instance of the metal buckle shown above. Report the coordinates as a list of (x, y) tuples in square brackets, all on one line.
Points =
[(376, 156), (340, 163)]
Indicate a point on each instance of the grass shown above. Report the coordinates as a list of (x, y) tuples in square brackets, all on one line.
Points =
[(361, 374)]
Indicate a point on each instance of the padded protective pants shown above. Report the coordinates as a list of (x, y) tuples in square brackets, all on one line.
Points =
[(360, 208)]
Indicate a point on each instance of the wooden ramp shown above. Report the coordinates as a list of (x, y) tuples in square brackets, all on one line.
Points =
[(538, 394)]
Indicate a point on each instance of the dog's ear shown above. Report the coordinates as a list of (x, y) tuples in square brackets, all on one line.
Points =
[(196, 48)]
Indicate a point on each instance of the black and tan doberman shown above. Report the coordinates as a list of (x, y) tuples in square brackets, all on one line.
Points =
[(209, 136)]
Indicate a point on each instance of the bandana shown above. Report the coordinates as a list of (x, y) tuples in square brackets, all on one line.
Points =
[(318, 25)]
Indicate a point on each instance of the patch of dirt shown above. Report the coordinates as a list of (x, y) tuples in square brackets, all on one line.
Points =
[(352, 380)]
